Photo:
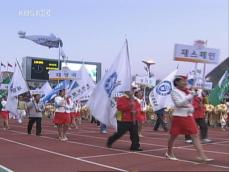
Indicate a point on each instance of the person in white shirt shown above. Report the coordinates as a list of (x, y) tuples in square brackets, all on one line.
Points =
[(35, 109), (62, 117), (4, 114), (183, 121)]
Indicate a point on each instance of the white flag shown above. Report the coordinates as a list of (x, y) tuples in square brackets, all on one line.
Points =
[(46, 89), (160, 95), (85, 86), (116, 79), (16, 86)]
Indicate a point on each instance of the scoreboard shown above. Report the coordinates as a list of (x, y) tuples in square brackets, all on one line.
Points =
[(40, 68), (37, 69)]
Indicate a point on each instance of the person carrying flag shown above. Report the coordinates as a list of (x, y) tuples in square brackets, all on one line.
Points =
[(127, 108)]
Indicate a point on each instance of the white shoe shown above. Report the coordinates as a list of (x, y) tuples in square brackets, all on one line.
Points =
[(19, 121), (103, 131), (170, 157), (206, 141), (204, 159), (188, 141)]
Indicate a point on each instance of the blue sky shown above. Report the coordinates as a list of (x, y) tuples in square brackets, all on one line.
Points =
[(94, 30)]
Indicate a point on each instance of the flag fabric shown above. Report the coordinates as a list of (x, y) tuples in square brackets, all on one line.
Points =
[(16, 87), (10, 65), (116, 79), (217, 94), (160, 96), (3, 64), (54, 92), (50, 41), (223, 78), (46, 88), (83, 87)]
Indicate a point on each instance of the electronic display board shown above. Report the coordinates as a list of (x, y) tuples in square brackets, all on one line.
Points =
[(41, 67)]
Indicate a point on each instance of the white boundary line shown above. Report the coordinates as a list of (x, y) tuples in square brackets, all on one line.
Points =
[(5, 168), (149, 144), (161, 157), (63, 155)]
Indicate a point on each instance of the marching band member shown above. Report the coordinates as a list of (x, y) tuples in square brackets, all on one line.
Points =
[(209, 114), (35, 109), (5, 114), (183, 121), (61, 118), (222, 110)]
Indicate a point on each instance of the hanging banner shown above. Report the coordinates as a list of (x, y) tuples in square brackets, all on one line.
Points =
[(196, 54)]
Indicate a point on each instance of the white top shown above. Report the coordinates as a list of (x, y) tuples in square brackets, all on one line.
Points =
[(60, 104), (183, 106), (3, 102), (69, 106)]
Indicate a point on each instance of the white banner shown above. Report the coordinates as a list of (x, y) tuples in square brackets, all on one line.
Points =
[(63, 75), (145, 80), (190, 53)]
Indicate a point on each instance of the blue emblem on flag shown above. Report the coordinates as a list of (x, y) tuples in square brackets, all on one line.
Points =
[(110, 83), (164, 88)]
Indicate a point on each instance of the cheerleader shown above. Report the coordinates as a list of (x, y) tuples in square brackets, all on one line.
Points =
[(183, 121), (4, 114), (61, 118), (71, 109)]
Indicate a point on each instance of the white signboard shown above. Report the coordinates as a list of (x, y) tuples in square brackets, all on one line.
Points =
[(4, 86), (197, 54), (145, 80), (207, 85), (63, 75)]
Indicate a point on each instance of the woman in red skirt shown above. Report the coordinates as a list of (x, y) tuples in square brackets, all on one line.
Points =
[(4, 114), (62, 119), (183, 121)]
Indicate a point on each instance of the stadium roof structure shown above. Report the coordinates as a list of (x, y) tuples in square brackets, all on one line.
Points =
[(215, 75)]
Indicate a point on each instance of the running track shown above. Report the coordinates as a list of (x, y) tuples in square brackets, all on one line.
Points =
[(86, 151)]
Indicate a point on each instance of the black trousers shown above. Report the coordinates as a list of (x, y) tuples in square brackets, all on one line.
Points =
[(123, 127), (32, 120), (203, 129), (160, 121)]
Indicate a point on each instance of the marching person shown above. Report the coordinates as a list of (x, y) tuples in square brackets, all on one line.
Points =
[(141, 117), (127, 107), (61, 118), (35, 109), (199, 116), (160, 120), (183, 121), (4, 114)]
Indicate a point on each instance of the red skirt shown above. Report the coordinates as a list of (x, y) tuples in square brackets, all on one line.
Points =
[(183, 125), (74, 114), (62, 118), (4, 114), (141, 117)]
